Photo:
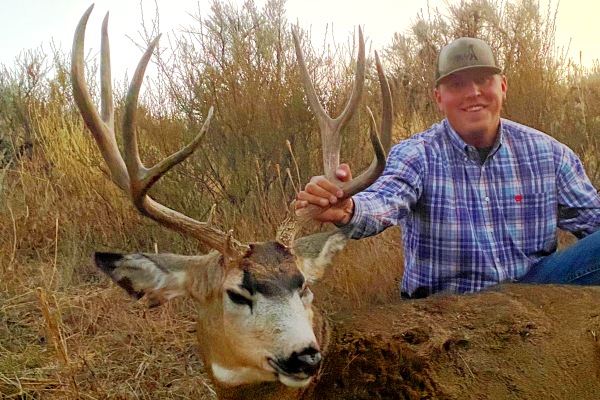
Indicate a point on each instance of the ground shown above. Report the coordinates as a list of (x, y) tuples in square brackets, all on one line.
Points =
[(516, 342), (512, 342)]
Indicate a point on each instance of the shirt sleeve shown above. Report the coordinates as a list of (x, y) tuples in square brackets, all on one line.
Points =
[(391, 197), (578, 200)]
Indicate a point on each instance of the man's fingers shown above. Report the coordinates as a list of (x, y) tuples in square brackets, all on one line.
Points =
[(321, 192), (343, 173), (300, 204), (317, 196), (321, 186)]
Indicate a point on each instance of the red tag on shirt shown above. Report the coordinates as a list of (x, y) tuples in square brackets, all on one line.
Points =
[(519, 198)]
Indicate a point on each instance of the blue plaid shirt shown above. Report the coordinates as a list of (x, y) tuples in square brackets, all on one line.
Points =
[(466, 224)]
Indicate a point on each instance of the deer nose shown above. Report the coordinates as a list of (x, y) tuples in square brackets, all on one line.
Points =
[(306, 362)]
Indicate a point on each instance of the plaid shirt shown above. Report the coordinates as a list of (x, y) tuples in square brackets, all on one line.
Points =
[(466, 224)]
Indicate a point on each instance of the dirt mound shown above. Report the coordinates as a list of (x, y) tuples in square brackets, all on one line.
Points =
[(517, 341)]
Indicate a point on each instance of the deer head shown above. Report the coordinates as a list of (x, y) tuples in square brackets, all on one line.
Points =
[(256, 323)]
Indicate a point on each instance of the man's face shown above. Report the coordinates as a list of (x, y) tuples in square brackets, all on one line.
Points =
[(472, 100)]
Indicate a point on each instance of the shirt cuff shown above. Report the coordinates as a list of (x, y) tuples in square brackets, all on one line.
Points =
[(350, 229)]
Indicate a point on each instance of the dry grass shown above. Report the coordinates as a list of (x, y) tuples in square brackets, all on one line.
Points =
[(95, 343), (66, 333), (63, 333), (367, 272), (92, 341)]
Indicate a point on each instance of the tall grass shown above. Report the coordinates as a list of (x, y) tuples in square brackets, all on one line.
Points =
[(65, 332)]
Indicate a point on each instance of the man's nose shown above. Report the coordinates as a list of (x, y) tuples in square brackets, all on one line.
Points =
[(473, 88)]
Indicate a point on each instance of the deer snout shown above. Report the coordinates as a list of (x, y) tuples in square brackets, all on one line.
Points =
[(298, 369), (306, 362), (310, 362)]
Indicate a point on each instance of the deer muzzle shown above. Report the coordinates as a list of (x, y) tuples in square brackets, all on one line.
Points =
[(298, 369)]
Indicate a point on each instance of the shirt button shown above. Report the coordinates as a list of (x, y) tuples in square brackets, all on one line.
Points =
[(487, 198)]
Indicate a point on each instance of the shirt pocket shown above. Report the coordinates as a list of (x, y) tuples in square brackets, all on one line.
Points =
[(530, 220)]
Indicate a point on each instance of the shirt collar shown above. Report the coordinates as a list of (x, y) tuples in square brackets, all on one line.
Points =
[(465, 149)]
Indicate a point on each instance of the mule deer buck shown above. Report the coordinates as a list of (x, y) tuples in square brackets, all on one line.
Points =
[(260, 336)]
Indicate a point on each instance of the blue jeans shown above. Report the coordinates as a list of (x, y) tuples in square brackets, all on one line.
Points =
[(578, 264)]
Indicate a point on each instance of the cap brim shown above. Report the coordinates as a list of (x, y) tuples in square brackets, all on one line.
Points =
[(496, 70)]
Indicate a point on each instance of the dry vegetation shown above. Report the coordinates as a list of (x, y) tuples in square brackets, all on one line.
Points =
[(65, 332)]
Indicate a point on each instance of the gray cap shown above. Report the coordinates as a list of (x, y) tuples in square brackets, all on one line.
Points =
[(465, 53)]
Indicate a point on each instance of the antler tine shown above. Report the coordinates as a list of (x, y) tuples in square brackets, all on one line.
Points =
[(380, 143), (287, 230), (330, 127), (129, 173), (106, 93), (102, 128)]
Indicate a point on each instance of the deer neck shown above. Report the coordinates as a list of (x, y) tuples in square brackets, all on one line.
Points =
[(263, 391)]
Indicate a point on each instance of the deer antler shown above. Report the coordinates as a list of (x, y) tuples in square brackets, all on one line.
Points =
[(331, 138), (128, 172)]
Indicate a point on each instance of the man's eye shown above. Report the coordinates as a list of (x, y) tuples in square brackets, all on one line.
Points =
[(483, 80), (239, 299)]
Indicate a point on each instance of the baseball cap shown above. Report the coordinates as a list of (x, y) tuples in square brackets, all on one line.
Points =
[(462, 54)]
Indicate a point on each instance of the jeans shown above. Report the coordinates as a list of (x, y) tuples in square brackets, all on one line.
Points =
[(578, 264)]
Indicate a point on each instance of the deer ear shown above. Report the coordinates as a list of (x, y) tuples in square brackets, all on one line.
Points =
[(315, 252), (140, 275)]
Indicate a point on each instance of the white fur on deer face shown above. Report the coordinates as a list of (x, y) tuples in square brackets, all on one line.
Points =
[(255, 322), (267, 321)]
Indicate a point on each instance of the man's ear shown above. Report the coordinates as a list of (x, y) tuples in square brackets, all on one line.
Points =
[(438, 98), (315, 252), (504, 87)]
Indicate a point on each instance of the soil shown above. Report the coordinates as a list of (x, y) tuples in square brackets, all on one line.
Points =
[(513, 342)]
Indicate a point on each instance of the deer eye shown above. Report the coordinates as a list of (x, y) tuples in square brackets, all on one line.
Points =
[(239, 299)]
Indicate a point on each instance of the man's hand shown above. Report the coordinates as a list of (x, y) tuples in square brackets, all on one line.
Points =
[(322, 192)]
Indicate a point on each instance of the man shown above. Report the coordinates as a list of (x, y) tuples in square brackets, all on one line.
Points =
[(479, 198)]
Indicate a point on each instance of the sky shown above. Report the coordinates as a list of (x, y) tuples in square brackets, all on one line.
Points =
[(29, 24)]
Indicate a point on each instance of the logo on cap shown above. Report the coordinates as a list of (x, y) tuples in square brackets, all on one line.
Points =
[(469, 55)]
